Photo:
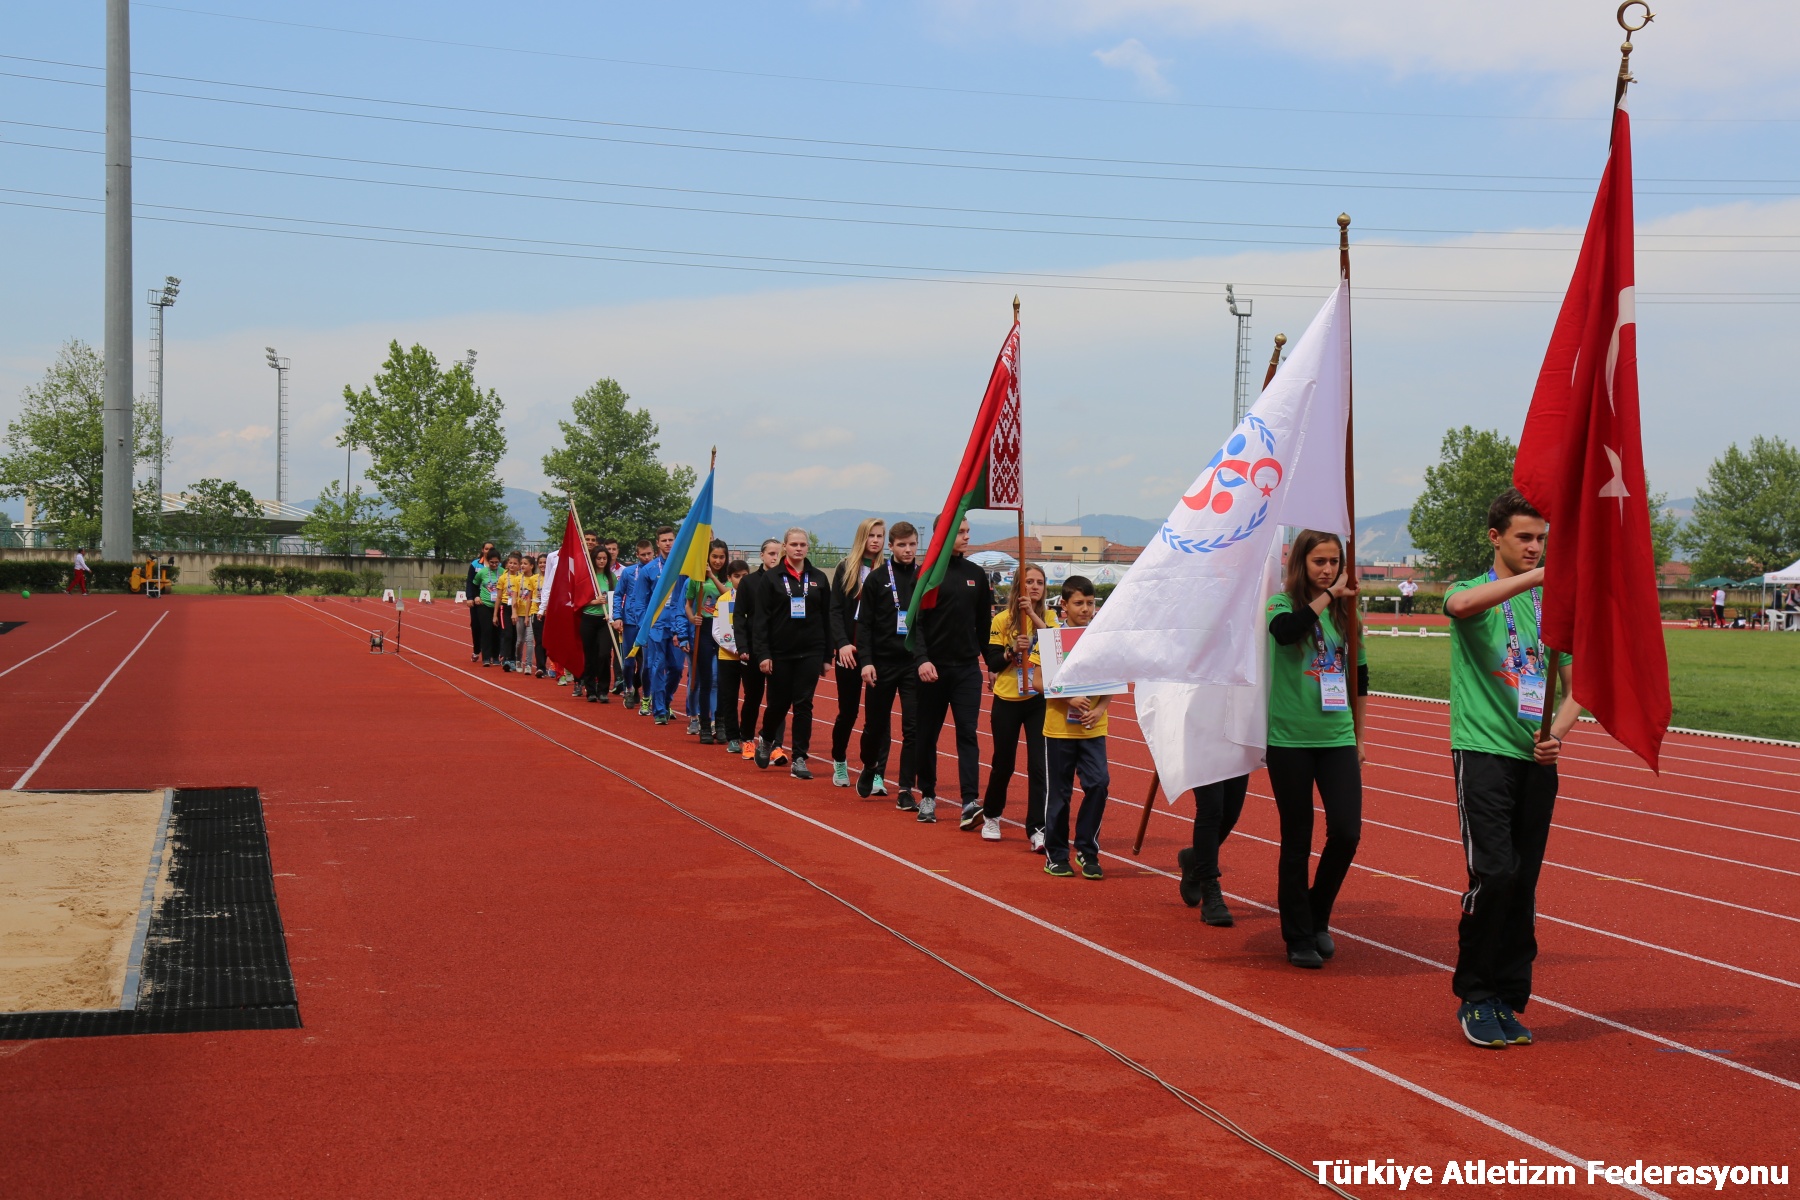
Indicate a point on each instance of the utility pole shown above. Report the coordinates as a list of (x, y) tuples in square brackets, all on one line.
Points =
[(1240, 387), (117, 454), (159, 300), (280, 364)]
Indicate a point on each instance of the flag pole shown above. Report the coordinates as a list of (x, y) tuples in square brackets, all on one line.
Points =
[(1156, 777), (1019, 567), (1352, 635)]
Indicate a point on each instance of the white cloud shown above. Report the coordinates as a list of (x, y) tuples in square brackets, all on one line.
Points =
[(825, 439), (1133, 57), (819, 477)]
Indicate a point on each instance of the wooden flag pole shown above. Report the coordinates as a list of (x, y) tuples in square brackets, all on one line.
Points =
[(1019, 567), (1352, 635), (1156, 777)]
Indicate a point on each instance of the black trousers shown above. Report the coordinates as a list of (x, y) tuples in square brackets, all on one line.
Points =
[(791, 686), (477, 623), (731, 678), (756, 686), (957, 693), (537, 641), (892, 679), (1217, 807), (1293, 772), (1065, 760), (1008, 719), (509, 637), (849, 689), (703, 674), (1505, 806), (489, 645), (596, 650)]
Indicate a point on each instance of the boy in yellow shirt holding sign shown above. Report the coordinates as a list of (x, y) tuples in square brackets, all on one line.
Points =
[(1074, 745)]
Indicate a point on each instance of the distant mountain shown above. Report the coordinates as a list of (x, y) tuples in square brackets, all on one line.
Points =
[(1382, 537)]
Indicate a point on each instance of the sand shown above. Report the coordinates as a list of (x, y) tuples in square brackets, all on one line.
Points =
[(71, 877)]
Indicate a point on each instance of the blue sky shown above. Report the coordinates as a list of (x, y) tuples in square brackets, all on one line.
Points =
[(1114, 162)]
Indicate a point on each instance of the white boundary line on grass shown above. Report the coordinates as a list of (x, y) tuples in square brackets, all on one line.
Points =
[(1105, 951), (63, 732), (54, 645)]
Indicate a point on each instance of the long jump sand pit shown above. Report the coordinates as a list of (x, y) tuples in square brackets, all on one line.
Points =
[(72, 875)]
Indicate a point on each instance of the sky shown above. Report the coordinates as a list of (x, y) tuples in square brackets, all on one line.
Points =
[(794, 230)]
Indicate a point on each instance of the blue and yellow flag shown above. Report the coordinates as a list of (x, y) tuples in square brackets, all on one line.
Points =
[(687, 560)]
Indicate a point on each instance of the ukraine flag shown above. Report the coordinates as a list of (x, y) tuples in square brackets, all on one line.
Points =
[(687, 560)]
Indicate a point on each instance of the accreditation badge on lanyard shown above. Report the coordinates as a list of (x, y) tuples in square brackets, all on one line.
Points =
[(1533, 687), (899, 613), (1334, 685), (796, 604)]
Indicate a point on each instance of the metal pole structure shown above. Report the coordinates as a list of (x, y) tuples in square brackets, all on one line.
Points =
[(1240, 384), (1352, 635), (116, 422), (280, 364), (159, 300)]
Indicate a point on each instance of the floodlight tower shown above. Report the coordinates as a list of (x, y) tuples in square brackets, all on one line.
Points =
[(159, 300), (280, 364), (1240, 389)]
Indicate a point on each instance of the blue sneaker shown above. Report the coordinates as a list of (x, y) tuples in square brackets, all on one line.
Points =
[(1481, 1024), (1515, 1033)]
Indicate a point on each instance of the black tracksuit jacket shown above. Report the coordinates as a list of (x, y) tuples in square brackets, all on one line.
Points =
[(954, 630), (778, 635), (877, 639)]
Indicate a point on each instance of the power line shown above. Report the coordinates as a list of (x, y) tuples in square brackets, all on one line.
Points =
[(789, 198), (820, 156), (954, 91), (852, 270)]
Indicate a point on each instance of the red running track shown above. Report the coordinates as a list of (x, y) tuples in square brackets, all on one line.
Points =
[(520, 975)]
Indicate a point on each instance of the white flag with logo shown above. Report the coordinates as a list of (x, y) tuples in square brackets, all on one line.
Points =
[(1188, 625)]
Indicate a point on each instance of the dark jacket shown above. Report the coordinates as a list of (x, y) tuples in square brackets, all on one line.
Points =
[(844, 607), (743, 613), (469, 586), (877, 638), (779, 635), (954, 630)]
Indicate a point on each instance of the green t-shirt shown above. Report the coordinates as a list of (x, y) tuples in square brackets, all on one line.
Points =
[(486, 580), (712, 588), (1484, 686), (1295, 715), (602, 605)]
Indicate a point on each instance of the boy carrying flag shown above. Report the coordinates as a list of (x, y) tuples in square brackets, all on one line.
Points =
[(1075, 745)]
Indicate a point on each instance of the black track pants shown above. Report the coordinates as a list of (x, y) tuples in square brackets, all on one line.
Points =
[(1505, 806), (1293, 772)]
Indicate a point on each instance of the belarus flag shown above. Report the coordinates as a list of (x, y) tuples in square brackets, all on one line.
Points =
[(1188, 625), (1581, 464)]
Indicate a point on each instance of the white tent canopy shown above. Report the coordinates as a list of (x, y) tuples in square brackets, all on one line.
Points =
[(1789, 575)]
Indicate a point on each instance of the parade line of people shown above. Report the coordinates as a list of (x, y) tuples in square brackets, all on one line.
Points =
[(753, 644)]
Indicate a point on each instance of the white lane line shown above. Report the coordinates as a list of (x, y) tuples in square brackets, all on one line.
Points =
[(1592, 874), (54, 645), (1790, 759), (1051, 927), (63, 732)]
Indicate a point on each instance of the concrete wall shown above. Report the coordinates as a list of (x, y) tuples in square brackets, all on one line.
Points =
[(405, 575)]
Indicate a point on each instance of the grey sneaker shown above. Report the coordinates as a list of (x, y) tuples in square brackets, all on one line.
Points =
[(840, 774), (1510, 1028), (928, 810), (1481, 1025), (693, 726), (799, 769)]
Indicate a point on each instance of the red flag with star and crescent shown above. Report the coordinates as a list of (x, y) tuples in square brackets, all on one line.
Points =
[(1581, 464)]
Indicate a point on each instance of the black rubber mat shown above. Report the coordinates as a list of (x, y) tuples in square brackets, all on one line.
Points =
[(215, 956)]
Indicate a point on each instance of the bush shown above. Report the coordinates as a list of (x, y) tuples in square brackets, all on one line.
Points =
[(371, 581), (291, 579), (335, 583), (244, 577), (447, 585), (109, 576), (31, 575)]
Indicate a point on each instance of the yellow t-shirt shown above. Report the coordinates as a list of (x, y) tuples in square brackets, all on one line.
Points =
[(519, 591), (1058, 725), (1006, 683)]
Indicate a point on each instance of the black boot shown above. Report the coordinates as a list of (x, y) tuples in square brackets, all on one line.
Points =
[(1212, 905), (1190, 881)]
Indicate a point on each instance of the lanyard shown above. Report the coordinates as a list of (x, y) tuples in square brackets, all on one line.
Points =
[(893, 589), (789, 588), (1512, 628), (1329, 656)]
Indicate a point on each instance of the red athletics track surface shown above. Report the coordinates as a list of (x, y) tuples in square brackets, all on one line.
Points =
[(520, 976)]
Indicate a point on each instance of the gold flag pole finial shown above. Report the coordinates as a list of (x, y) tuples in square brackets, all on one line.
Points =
[(1625, 76), (713, 465), (1015, 310)]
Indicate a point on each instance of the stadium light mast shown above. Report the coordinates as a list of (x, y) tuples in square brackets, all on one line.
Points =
[(280, 363), (1240, 389), (159, 300), (118, 451)]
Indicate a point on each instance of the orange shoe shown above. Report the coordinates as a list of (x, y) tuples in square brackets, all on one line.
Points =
[(780, 756)]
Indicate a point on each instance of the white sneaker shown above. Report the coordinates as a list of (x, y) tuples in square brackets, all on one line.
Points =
[(990, 829), (1037, 842)]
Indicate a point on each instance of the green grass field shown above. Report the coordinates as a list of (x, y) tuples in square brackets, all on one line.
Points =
[(1727, 681)]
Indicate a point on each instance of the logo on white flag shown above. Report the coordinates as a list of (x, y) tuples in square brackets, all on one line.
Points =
[(1224, 481)]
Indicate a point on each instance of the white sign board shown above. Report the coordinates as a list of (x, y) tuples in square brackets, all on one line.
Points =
[(1054, 646)]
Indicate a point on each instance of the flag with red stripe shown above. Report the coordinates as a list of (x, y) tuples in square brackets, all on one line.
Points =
[(572, 588)]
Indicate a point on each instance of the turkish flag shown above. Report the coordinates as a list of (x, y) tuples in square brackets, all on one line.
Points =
[(1581, 464), (572, 588)]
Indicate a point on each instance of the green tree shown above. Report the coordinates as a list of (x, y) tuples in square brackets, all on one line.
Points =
[(349, 525), (1449, 519), (55, 449), (435, 440), (608, 465), (218, 512), (1664, 526), (1747, 518)]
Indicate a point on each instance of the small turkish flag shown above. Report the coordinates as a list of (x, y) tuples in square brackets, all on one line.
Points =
[(571, 589), (1581, 464)]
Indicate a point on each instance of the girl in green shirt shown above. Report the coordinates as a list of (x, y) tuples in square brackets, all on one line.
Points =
[(1315, 737)]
